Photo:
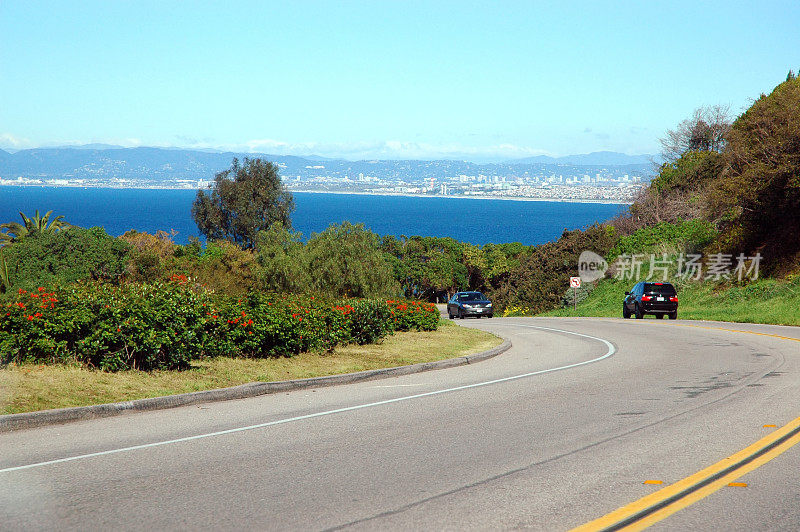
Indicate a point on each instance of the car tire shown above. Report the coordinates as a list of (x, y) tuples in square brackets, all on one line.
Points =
[(460, 314), (639, 313), (673, 315), (491, 316), (659, 316), (450, 315), (625, 312)]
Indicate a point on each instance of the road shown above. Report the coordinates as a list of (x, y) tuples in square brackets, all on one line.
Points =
[(512, 442)]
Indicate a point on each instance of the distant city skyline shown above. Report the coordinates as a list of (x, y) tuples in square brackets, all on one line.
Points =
[(382, 80)]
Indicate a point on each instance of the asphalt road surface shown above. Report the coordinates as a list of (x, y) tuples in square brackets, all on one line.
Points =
[(512, 442)]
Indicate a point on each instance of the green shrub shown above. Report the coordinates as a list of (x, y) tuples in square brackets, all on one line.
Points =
[(691, 236), (369, 321), (158, 326), (66, 256)]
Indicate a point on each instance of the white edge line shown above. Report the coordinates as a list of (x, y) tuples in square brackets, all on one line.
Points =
[(611, 351)]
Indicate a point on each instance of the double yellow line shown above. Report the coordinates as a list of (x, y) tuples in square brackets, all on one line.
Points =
[(653, 508), (657, 506)]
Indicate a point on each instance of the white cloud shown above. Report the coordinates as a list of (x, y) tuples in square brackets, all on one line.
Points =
[(356, 150), (9, 141), (390, 149)]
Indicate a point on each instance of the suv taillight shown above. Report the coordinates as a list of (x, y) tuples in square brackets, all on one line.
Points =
[(674, 299), (646, 298)]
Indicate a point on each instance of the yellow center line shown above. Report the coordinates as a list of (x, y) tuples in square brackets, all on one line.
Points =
[(703, 482), (792, 338), (659, 505)]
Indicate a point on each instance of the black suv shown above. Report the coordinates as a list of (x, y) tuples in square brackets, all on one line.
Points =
[(651, 298)]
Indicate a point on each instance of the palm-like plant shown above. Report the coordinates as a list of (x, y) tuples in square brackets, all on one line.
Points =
[(29, 226)]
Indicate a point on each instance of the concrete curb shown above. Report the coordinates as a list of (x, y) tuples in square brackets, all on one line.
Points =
[(11, 422)]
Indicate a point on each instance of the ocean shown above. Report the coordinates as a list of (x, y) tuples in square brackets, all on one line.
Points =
[(477, 221)]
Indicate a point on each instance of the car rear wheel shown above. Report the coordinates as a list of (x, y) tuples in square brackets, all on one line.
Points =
[(673, 315), (659, 316), (450, 315), (625, 312), (460, 314), (639, 313)]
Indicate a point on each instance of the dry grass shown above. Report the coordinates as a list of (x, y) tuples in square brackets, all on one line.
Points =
[(27, 388)]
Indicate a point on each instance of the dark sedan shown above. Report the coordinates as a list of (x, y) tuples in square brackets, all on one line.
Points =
[(464, 304)]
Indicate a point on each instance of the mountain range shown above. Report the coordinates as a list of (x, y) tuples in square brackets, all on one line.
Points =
[(153, 164), (603, 158)]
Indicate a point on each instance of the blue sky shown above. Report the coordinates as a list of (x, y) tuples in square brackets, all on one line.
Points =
[(376, 79)]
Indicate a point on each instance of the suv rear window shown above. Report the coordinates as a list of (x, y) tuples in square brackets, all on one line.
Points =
[(665, 289)]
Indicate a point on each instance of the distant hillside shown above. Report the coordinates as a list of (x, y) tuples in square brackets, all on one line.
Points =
[(598, 158), (168, 164)]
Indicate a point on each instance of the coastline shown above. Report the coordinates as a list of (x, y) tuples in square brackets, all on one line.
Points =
[(352, 193), (480, 197)]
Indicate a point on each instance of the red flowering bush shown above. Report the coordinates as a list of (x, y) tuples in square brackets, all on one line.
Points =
[(409, 315), (159, 326), (166, 325)]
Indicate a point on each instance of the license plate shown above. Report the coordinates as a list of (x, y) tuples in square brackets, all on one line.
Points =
[(659, 299)]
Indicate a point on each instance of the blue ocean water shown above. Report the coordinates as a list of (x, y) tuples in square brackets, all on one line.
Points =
[(478, 221)]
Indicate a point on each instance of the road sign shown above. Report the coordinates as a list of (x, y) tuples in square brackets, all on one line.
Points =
[(575, 282)]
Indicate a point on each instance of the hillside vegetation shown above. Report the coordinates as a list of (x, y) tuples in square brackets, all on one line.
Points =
[(729, 191)]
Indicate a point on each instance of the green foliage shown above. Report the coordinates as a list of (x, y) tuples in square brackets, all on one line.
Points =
[(427, 266), (690, 170), (689, 236), (245, 199), (31, 226), (5, 282), (538, 283), (763, 301), (756, 201), (108, 327), (345, 260), (576, 295), (222, 267), (284, 263), (368, 320), (151, 256), (66, 256)]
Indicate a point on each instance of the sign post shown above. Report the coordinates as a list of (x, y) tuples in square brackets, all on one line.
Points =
[(575, 283)]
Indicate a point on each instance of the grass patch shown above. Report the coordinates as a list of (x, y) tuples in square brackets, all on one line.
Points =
[(770, 301), (26, 388)]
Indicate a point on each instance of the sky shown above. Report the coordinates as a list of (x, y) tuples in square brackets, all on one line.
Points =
[(380, 79)]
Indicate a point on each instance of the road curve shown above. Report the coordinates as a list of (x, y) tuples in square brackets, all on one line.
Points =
[(562, 429)]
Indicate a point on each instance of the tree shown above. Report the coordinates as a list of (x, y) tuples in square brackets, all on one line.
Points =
[(244, 199), (283, 260), (756, 200), (30, 226), (428, 267), (346, 260), (704, 131)]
